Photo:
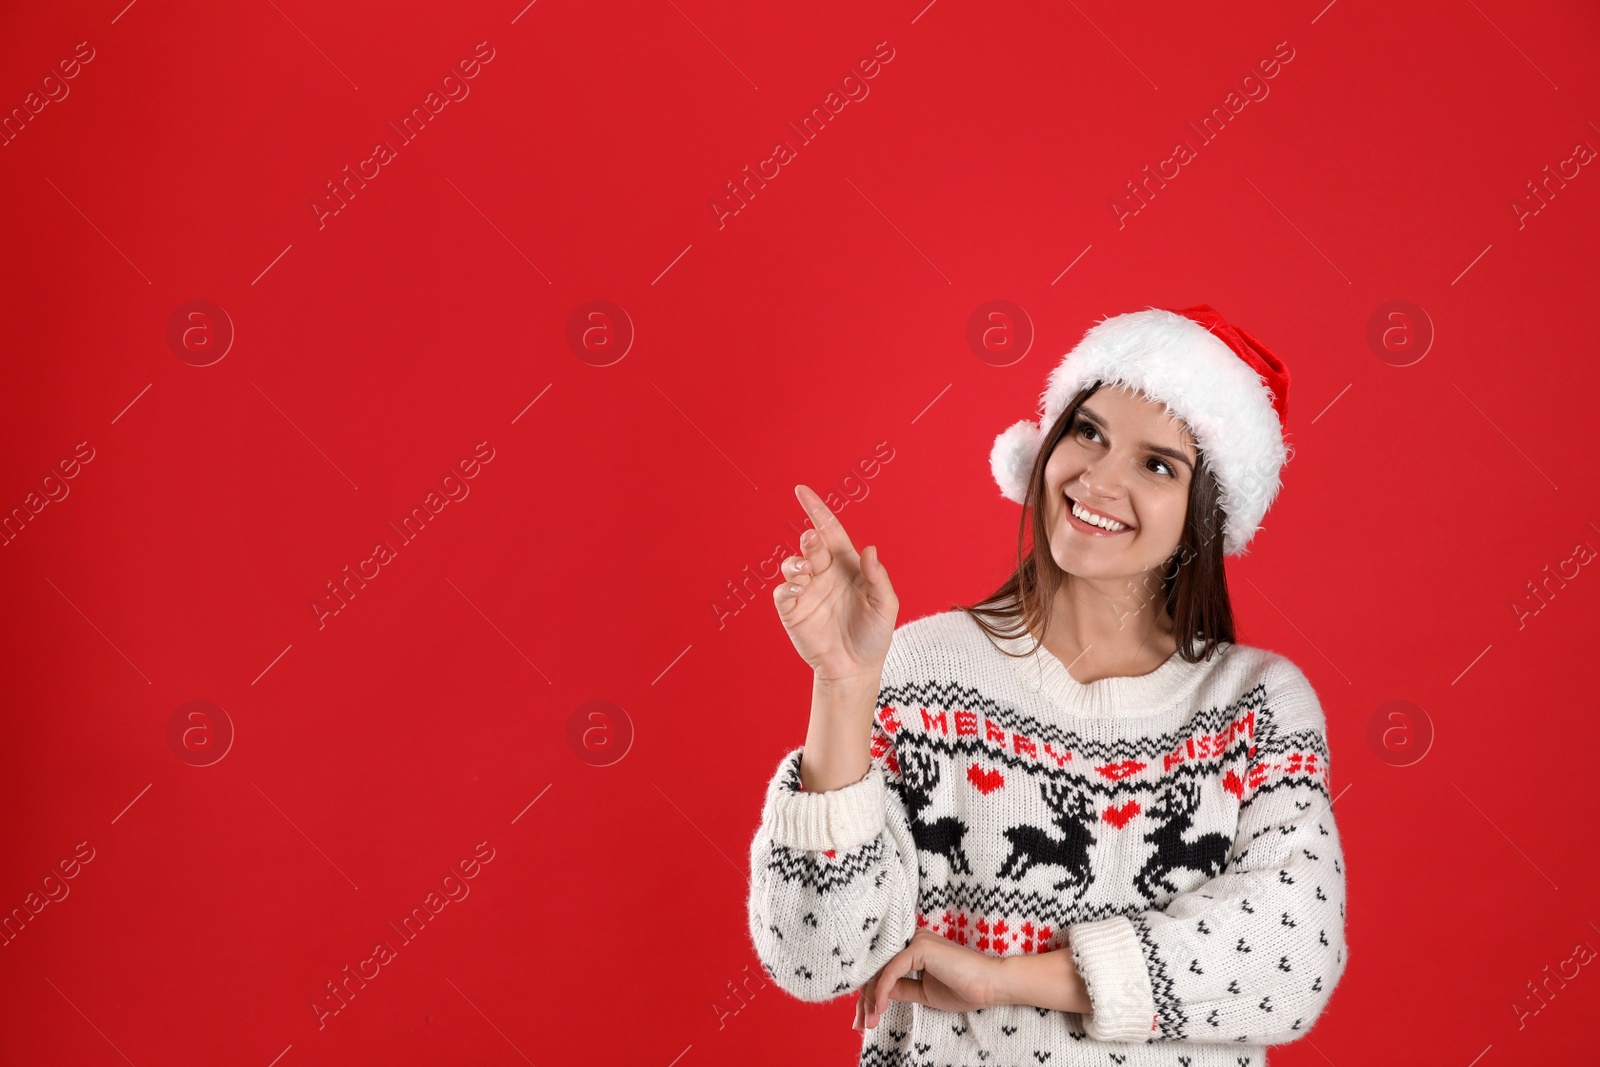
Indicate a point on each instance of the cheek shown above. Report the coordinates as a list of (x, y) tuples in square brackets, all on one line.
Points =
[(1055, 477), (1162, 512), (1172, 515)]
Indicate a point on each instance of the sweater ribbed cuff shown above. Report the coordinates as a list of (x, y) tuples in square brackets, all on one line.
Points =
[(1113, 968), (840, 819)]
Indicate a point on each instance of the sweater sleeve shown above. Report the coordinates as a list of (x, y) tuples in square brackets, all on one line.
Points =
[(833, 878), (1253, 954)]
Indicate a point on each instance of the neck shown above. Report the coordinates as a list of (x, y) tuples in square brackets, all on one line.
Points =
[(1104, 628)]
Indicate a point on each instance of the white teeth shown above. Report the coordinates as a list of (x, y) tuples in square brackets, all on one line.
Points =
[(1105, 524)]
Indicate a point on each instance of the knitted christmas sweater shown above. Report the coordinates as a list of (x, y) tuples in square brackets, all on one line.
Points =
[(1172, 830)]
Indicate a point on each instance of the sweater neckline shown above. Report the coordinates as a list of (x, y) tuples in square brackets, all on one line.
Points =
[(1116, 697)]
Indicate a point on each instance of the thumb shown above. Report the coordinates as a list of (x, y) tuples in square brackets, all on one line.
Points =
[(878, 575), (878, 589)]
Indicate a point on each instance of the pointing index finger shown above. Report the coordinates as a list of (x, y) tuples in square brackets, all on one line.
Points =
[(827, 524)]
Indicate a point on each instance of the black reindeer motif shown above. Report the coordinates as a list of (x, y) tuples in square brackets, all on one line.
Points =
[(1030, 845), (942, 836), (1207, 853)]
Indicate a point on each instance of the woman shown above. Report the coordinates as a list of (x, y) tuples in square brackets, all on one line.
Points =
[(1100, 833)]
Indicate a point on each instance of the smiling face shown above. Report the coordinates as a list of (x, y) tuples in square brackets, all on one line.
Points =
[(1126, 460)]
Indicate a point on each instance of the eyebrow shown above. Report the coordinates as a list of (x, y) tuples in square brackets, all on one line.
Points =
[(1160, 450)]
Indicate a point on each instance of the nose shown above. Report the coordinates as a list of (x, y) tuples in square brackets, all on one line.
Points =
[(1099, 480)]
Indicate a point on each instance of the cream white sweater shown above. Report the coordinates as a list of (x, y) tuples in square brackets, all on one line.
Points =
[(1172, 830)]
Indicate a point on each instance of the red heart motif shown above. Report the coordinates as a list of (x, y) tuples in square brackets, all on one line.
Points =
[(986, 781), (1234, 785), (1119, 817)]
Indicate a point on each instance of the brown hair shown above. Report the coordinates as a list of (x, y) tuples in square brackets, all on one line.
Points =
[(1194, 586)]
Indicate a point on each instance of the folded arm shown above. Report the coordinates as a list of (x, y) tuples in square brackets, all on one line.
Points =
[(833, 879)]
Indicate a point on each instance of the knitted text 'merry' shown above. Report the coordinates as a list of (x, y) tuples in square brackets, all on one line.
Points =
[(1174, 830)]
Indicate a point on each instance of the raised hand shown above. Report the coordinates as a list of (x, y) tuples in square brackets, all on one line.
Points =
[(837, 604)]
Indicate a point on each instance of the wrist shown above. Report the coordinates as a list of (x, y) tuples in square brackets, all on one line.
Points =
[(1007, 985), (1046, 980), (861, 686), (839, 738)]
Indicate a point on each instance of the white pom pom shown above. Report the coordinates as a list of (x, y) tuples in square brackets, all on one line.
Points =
[(1011, 459)]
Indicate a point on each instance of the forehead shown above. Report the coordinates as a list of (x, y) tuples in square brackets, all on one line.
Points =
[(1133, 413)]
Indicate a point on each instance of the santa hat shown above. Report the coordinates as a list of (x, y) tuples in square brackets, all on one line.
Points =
[(1227, 386)]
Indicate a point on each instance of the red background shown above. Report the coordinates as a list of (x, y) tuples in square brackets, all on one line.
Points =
[(621, 543)]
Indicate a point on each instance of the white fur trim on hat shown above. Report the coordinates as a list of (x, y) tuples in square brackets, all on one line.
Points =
[(1179, 363)]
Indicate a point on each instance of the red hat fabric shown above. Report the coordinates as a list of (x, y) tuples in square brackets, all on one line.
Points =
[(1252, 351)]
